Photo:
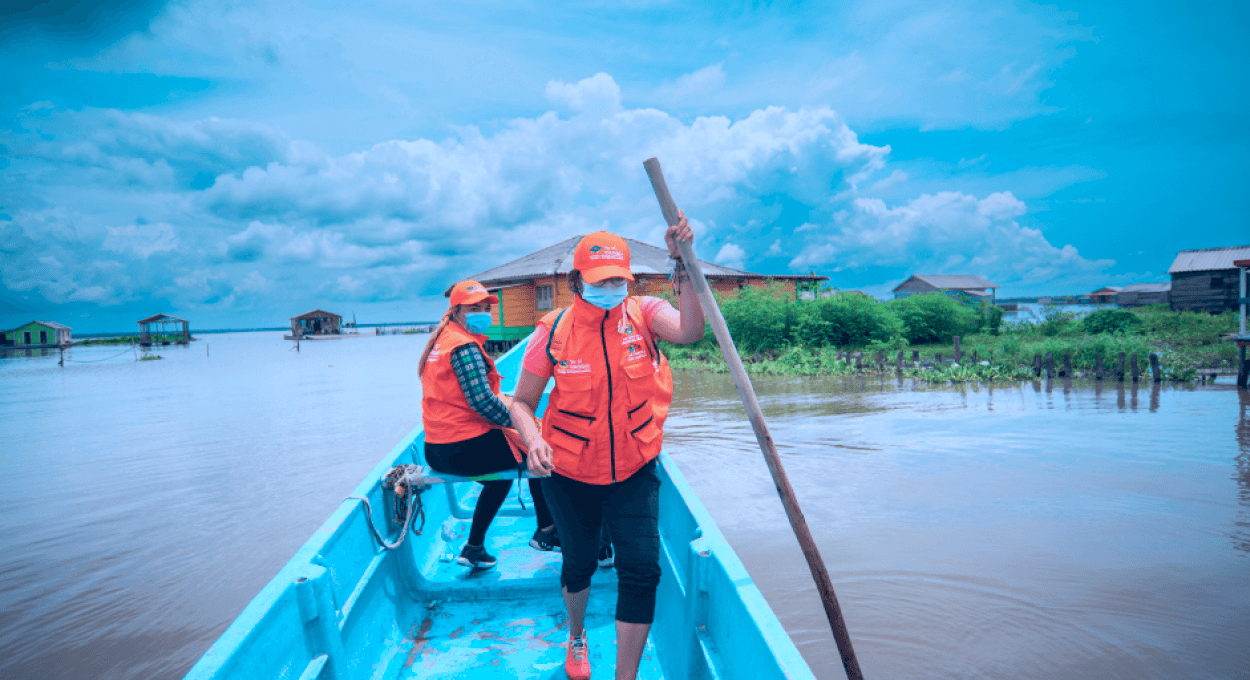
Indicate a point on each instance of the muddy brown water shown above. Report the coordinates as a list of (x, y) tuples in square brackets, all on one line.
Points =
[(1027, 530)]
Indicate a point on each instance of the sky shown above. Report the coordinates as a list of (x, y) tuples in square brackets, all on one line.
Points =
[(240, 162)]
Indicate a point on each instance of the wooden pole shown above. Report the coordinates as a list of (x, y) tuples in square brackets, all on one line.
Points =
[(1154, 368), (958, 356), (1067, 364), (769, 448), (1119, 368), (1136, 370), (915, 356), (1037, 365), (900, 361), (1050, 365), (1098, 366)]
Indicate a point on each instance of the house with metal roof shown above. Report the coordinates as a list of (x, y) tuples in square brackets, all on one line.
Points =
[(969, 286), (163, 329), (1104, 296), (530, 286), (39, 334), (315, 324), (1206, 279), (1140, 294)]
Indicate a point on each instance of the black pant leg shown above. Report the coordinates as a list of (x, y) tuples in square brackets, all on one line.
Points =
[(632, 514), (577, 509)]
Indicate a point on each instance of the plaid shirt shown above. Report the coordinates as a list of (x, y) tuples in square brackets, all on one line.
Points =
[(470, 370)]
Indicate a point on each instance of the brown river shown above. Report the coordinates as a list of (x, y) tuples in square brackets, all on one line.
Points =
[(1026, 530)]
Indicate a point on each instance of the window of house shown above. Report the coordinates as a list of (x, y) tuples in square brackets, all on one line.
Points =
[(545, 300), (43, 337), (1217, 281)]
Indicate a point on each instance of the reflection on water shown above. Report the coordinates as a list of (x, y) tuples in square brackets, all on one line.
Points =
[(1044, 529)]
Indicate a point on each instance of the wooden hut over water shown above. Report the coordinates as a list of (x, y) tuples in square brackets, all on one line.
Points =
[(535, 284), (1206, 280), (1104, 296), (314, 323), (164, 329)]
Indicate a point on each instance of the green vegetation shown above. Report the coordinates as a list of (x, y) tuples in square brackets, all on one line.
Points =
[(776, 334)]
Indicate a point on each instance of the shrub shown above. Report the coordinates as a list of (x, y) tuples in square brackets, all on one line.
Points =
[(933, 317), (993, 319), (759, 318), (845, 320), (1111, 321)]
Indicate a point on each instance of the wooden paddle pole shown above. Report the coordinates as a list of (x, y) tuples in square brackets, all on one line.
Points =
[(791, 504)]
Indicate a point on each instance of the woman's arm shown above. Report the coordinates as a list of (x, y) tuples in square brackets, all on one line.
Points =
[(682, 326), (529, 391), (474, 381)]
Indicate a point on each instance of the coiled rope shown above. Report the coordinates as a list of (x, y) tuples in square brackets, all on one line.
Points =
[(406, 481)]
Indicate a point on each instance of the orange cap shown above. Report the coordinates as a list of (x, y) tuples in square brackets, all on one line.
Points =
[(469, 292), (602, 256)]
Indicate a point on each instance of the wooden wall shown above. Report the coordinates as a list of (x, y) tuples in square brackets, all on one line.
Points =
[(913, 287), (1194, 291)]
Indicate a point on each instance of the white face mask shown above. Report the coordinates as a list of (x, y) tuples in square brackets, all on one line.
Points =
[(606, 296)]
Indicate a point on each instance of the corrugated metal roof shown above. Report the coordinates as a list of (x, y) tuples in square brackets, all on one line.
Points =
[(158, 318), (952, 281), (644, 258), (1147, 287), (1106, 290), (1208, 259), (317, 314), (53, 325)]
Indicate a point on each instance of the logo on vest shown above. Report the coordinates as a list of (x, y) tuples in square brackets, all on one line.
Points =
[(624, 327), (571, 366), (433, 355), (636, 352)]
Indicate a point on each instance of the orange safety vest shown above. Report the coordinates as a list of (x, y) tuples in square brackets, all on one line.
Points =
[(445, 412), (605, 417)]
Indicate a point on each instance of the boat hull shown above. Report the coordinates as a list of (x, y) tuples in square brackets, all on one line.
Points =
[(344, 609)]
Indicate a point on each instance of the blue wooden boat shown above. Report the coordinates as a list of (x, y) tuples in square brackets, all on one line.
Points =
[(344, 608)]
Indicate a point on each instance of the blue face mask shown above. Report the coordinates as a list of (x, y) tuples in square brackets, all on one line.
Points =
[(477, 322), (607, 296)]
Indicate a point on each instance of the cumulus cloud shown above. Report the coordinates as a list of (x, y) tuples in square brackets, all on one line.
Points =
[(698, 83), (782, 190)]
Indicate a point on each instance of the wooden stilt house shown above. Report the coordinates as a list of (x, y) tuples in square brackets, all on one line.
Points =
[(535, 284), (164, 329)]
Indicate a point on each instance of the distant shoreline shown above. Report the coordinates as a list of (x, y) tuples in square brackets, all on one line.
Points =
[(194, 332)]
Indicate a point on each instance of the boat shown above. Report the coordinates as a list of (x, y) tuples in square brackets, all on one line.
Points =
[(347, 608)]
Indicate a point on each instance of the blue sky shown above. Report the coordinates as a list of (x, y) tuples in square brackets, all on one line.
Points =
[(241, 162)]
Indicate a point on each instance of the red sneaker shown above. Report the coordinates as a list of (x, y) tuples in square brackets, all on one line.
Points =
[(577, 659)]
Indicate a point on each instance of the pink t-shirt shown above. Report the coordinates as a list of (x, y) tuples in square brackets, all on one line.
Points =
[(535, 360)]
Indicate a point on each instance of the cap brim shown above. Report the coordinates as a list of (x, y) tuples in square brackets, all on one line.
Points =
[(474, 298), (597, 274)]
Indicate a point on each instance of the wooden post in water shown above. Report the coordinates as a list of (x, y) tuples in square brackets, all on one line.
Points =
[(1037, 365), (976, 358), (1098, 366), (1136, 370), (1067, 364), (937, 359), (900, 361), (1119, 368), (859, 362), (880, 360), (1050, 365), (132, 348), (62, 361), (958, 356), (1155, 373), (915, 356), (824, 585)]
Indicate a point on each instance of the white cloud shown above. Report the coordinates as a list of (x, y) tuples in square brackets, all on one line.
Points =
[(141, 239), (698, 83), (596, 94), (731, 255)]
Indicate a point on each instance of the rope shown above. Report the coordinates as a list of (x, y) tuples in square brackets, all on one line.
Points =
[(401, 479), (92, 361)]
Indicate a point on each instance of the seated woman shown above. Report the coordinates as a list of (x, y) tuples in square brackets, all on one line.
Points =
[(465, 418)]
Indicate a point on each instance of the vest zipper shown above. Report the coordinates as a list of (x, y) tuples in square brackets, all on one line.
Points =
[(608, 364)]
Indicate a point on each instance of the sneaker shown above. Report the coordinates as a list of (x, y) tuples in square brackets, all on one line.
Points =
[(607, 559), (475, 556), (546, 540), (577, 659)]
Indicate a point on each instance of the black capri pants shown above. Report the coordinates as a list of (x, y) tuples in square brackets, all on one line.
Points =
[(631, 511)]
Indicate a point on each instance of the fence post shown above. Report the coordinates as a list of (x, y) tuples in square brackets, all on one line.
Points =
[(1037, 365), (1136, 370), (1067, 364), (1119, 368), (880, 360), (1098, 366), (915, 356), (859, 362), (958, 356), (1050, 365), (1154, 368)]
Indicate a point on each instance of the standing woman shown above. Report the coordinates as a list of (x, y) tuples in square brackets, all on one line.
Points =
[(465, 417), (603, 429)]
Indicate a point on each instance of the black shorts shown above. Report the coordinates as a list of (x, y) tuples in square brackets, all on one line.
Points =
[(479, 455)]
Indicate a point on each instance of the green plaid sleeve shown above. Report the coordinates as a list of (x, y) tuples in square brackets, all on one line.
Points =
[(470, 370)]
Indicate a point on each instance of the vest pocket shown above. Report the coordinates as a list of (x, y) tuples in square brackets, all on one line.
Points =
[(648, 436), (568, 448), (641, 380)]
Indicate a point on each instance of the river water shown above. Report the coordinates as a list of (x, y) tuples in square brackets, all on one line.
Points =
[(1020, 531)]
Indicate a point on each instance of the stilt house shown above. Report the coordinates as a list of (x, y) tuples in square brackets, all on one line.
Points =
[(535, 284), (163, 329), (1206, 280), (316, 322), (39, 334)]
